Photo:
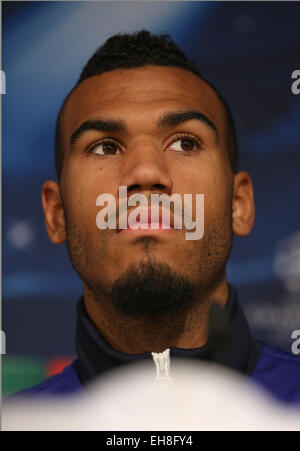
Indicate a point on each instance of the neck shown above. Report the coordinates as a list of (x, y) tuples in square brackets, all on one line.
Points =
[(137, 335)]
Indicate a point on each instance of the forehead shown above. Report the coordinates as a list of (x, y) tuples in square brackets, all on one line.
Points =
[(139, 96)]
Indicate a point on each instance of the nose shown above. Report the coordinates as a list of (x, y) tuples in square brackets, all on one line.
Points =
[(145, 169)]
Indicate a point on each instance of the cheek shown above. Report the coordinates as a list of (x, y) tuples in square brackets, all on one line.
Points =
[(218, 201), (80, 195), (80, 201), (216, 187), (88, 177)]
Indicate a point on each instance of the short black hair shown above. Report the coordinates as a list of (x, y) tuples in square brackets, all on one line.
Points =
[(127, 51)]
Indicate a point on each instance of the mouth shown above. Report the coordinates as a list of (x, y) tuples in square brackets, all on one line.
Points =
[(146, 231), (147, 222)]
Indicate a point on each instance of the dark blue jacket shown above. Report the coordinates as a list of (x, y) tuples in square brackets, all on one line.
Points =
[(275, 370)]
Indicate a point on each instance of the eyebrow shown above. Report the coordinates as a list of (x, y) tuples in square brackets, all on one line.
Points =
[(100, 125), (166, 121), (173, 119)]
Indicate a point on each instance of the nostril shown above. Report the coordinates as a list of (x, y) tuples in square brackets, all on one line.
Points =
[(133, 188), (159, 187)]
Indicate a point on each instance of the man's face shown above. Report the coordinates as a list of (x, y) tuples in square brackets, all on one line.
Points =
[(148, 156)]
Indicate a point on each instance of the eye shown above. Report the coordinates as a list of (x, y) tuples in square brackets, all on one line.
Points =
[(105, 147), (185, 144)]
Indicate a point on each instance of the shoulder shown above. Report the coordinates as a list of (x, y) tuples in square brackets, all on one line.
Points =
[(279, 372), (65, 383)]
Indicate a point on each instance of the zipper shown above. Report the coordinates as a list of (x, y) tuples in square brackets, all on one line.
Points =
[(162, 363)]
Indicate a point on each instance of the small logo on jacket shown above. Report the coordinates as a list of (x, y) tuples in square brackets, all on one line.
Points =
[(296, 343)]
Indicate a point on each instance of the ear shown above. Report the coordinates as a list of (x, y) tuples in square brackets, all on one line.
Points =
[(53, 212), (243, 208)]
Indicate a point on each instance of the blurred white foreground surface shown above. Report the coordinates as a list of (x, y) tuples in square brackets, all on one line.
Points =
[(202, 396)]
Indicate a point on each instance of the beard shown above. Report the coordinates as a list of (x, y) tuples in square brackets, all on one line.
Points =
[(152, 303), (152, 289)]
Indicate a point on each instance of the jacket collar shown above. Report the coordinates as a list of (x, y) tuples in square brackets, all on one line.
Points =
[(96, 356)]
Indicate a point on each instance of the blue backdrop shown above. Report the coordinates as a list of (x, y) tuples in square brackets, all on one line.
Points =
[(249, 51)]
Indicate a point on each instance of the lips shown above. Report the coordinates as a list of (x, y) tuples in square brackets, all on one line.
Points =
[(162, 220)]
